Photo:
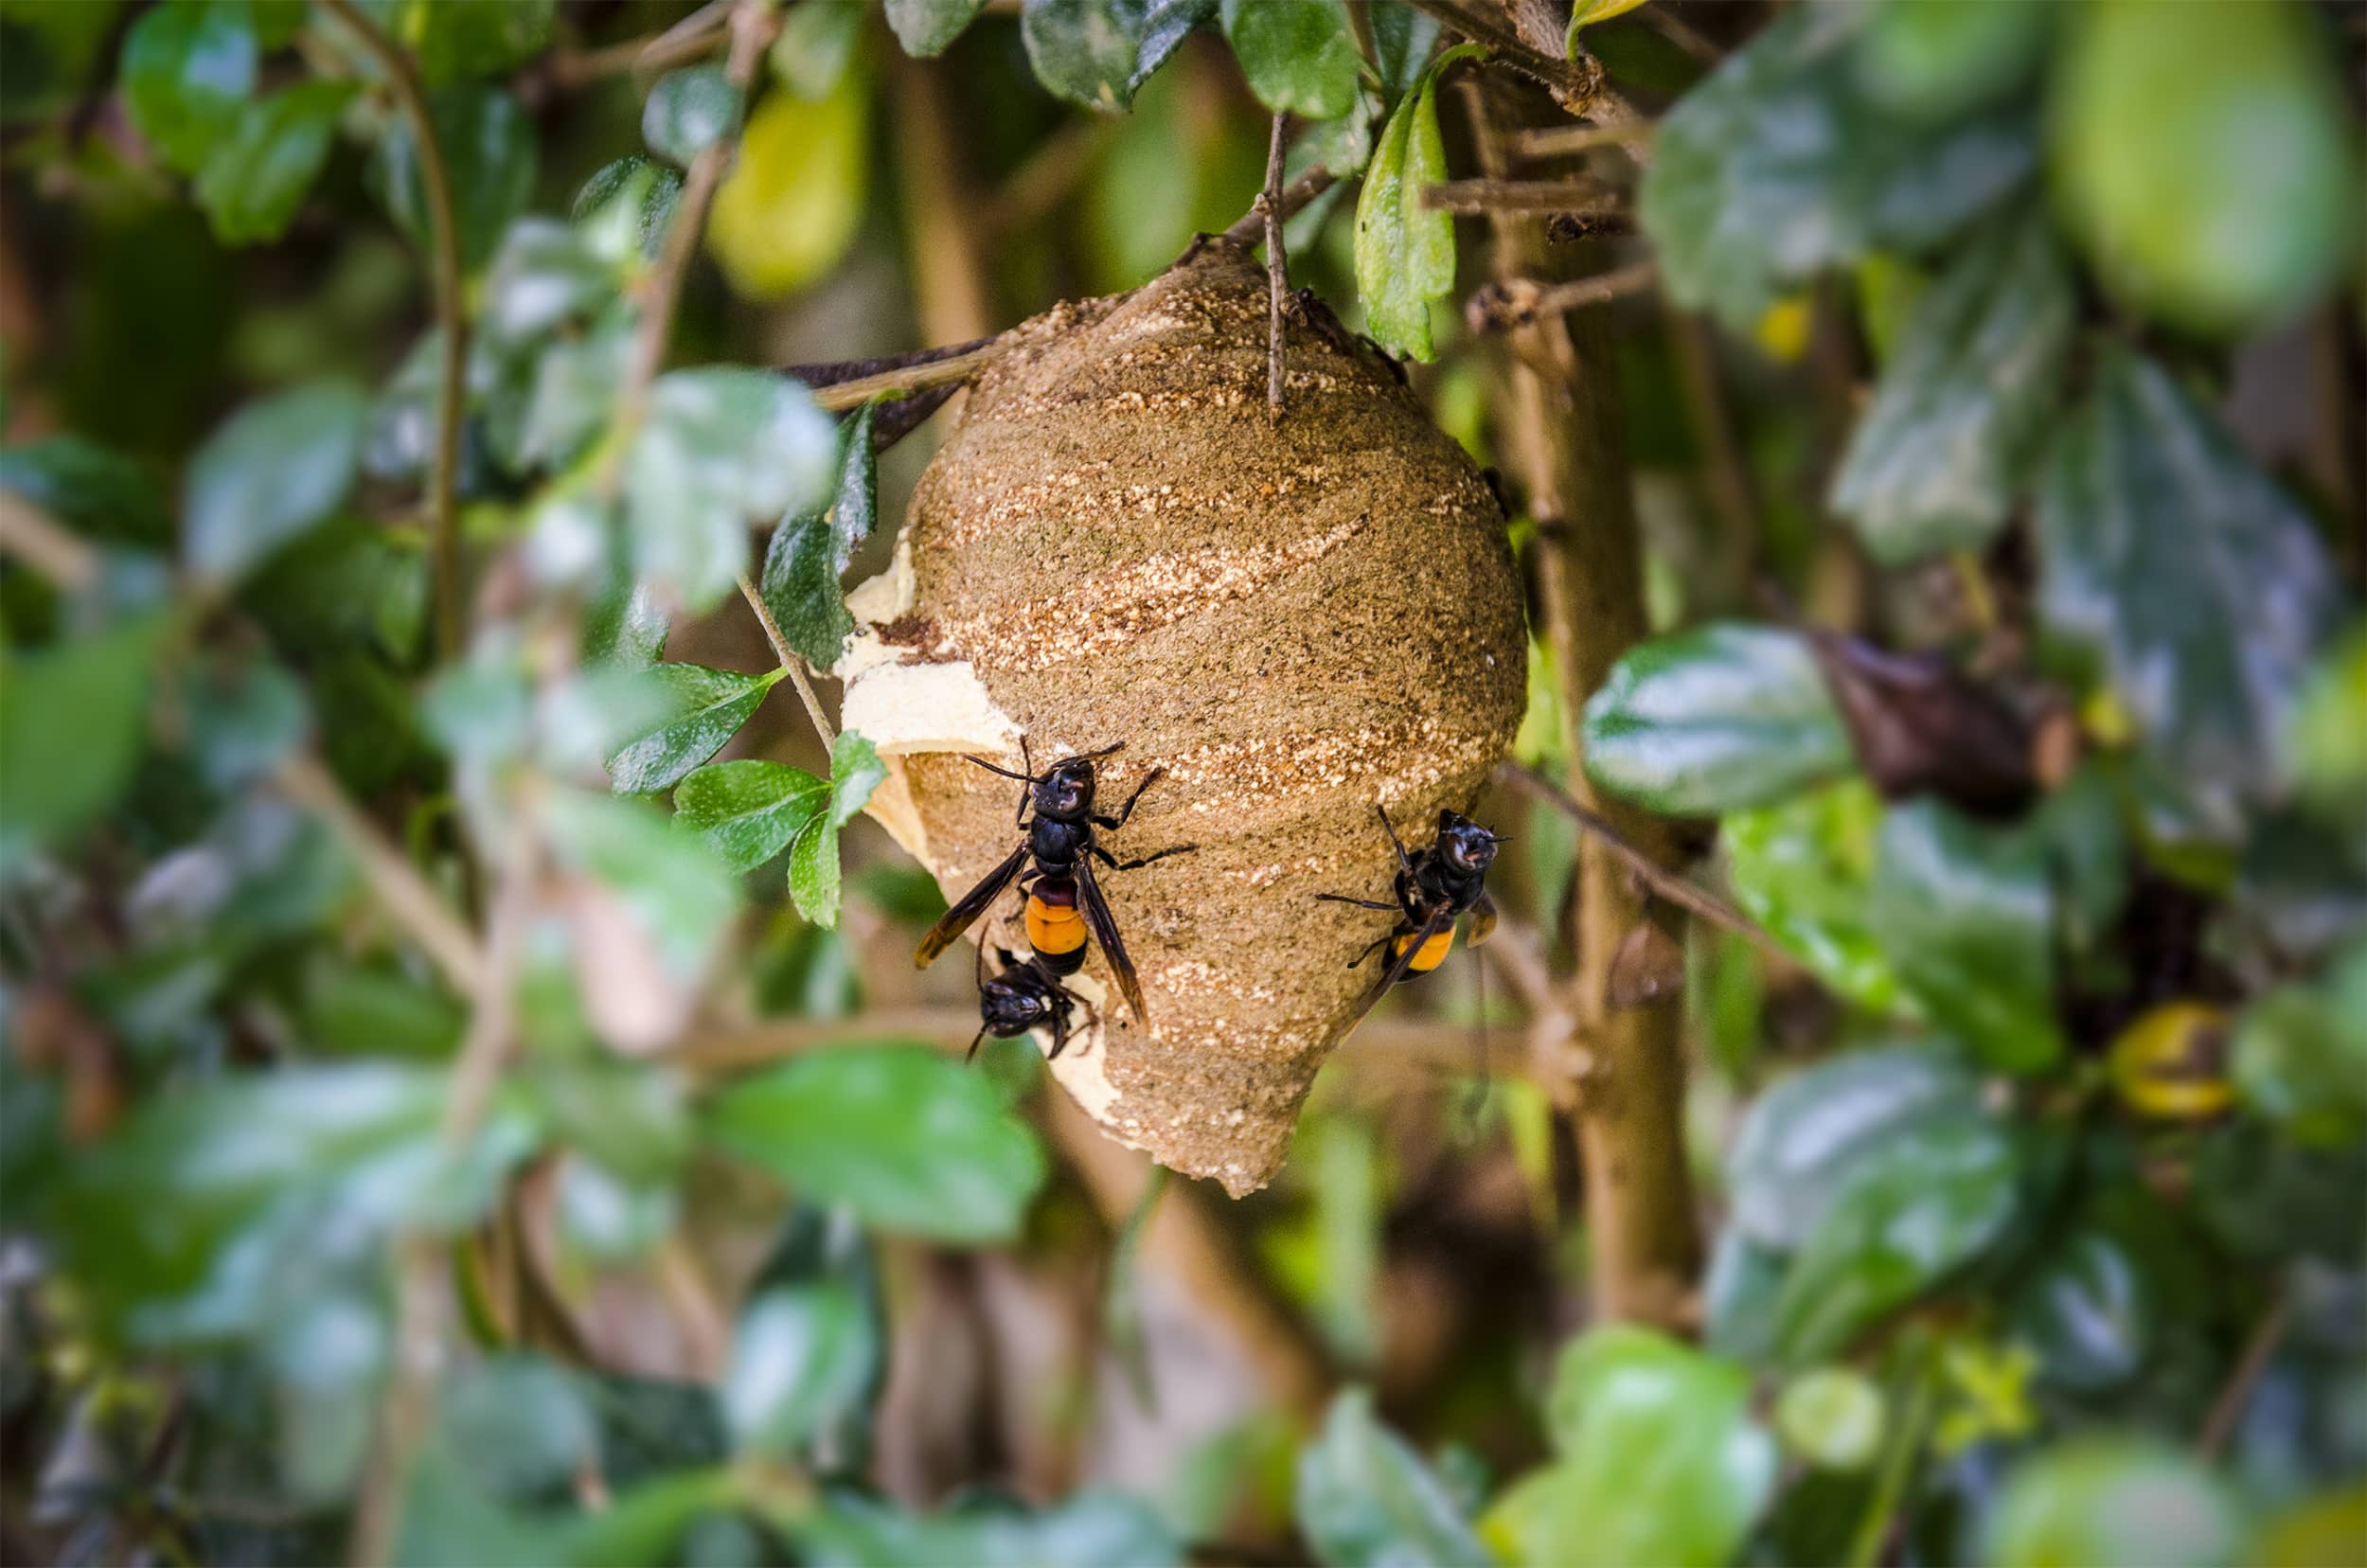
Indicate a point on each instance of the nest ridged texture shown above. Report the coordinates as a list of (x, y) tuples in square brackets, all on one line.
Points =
[(1296, 621)]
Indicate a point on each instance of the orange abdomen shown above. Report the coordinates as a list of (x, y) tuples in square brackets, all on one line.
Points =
[(1430, 955)]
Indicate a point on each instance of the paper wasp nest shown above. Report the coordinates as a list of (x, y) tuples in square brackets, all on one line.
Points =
[(1294, 621)]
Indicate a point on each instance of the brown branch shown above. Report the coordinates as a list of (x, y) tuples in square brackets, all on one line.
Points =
[(1245, 230), (1576, 85), (1558, 416), (37, 539), (1511, 302), (1487, 198), (950, 372), (452, 318), (1557, 141), (793, 662), (2259, 1349), (1269, 204)]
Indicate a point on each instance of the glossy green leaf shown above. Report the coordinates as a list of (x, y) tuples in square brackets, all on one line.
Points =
[(1402, 40), (2084, 1309), (255, 177), (700, 710), (625, 207), (490, 157), (72, 721), (721, 448), (1721, 717), (624, 628), (2112, 1503), (1934, 59), (2224, 200), (812, 547), (1661, 1459), (241, 718), (1404, 254), (274, 1178), (928, 27), (680, 896), (1804, 1140), (2188, 576), (1939, 459), (1738, 1294), (477, 38), (1087, 51), (803, 1358), (1093, 1529), (1967, 915), (1779, 166), (690, 111), (902, 1135), (1915, 1211), (1366, 1500), (750, 811), (1300, 57), (1805, 870), (273, 470), (2300, 1055), (188, 69)]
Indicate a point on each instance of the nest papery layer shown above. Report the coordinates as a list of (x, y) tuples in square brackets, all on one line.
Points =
[(1296, 621)]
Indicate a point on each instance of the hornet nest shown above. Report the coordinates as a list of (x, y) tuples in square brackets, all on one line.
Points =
[(1295, 620)]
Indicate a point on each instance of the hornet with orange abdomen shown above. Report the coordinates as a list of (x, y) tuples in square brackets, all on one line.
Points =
[(1064, 902), (1435, 887)]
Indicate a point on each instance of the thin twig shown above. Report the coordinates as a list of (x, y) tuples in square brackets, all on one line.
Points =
[(45, 545), (1479, 198), (1682, 34), (793, 662), (1277, 268), (414, 905), (1245, 230), (917, 377), (1576, 83), (2227, 1411), (452, 318), (1518, 302), (1677, 890), (1555, 141)]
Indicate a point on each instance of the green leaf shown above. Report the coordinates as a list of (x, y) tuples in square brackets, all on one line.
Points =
[(241, 718), (2112, 1503), (275, 468), (489, 156), (1086, 51), (2325, 744), (1300, 57), (2084, 1310), (2225, 200), (815, 45), (1585, 13), (1805, 1139), (720, 448), (804, 1358), (2263, 1194), (1660, 1460), (813, 871), (1366, 1500), (700, 709), (928, 27), (625, 207), (72, 719), (903, 1136), (479, 38), (624, 628), (2188, 576), (1404, 254), (1967, 915), (256, 177), (1913, 1212), (678, 895), (750, 810), (1931, 61), (188, 69), (1712, 719), (688, 112), (2300, 1055), (104, 496), (1803, 870), (1402, 40), (357, 1009), (1779, 166), (1964, 403), (1093, 1529), (274, 1178), (810, 550)]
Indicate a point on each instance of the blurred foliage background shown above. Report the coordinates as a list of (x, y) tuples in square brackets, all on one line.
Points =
[(414, 1146)]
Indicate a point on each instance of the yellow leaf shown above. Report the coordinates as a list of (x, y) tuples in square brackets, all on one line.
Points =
[(793, 201)]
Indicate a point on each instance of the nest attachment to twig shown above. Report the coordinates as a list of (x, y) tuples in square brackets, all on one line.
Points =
[(1296, 621)]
